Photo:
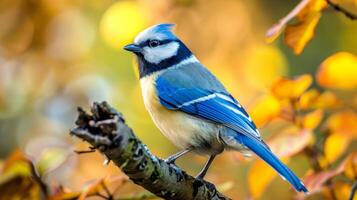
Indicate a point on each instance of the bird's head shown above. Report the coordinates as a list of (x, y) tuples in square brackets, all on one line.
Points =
[(157, 48)]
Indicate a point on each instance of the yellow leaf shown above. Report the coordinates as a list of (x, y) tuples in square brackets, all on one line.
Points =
[(265, 109), (100, 185), (277, 28), (260, 176), (307, 98), (343, 122), (335, 145), (351, 166), (341, 190), (299, 34), (338, 71), (326, 100), (291, 88), (313, 99), (312, 119)]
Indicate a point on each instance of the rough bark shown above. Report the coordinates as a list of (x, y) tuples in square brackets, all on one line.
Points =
[(105, 130)]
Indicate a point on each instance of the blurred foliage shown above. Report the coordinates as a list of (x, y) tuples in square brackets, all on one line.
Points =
[(59, 54)]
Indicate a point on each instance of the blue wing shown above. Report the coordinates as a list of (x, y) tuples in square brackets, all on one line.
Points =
[(217, 106)]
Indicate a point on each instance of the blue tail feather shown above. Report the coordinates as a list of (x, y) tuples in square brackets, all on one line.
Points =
[(267, 155)]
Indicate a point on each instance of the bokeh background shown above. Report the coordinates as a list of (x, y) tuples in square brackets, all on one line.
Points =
[(56, 55)]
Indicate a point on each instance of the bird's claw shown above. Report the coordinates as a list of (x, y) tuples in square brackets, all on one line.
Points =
[(170, 161)]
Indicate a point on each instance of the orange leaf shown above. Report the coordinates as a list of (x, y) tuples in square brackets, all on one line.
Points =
[(338, 71), (343, 122), (65, 196), (99, 185), (351, 166), (265, 109), (291, 88), (341, 190), (16, 180), (312, 119), (307, 98), (313, 99), (277, 28), (299, 34), (326, 100)]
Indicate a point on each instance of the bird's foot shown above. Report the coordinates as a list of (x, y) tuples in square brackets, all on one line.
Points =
[(201, 175), (170, 160)]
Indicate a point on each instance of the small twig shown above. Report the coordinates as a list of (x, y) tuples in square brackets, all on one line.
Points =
[(353, 191), (91, 150), (337, 7), (283, 21), (38, 179), (110, 195), (101, 195)]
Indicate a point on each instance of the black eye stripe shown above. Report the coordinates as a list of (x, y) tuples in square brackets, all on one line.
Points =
[(162, 42)]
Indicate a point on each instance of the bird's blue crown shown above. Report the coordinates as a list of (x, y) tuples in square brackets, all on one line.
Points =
[(165, 29)]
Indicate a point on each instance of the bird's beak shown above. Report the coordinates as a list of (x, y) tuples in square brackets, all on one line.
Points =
[(133, 48)]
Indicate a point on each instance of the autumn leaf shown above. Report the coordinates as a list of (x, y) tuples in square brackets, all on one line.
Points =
[(16, 179), (343, 122), (335, 145), (312, 120), (338, 71), (351, 166), (265, 109), (278, 28), (308, 14), (299, 34), (100, 185), (291, 88), (341, 190), (326, 100), (91, 189)]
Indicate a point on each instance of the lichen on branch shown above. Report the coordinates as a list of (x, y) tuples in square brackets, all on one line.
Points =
[(106, 131)]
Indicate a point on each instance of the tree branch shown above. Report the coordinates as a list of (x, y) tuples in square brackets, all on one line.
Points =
[(337, 7), (105, 130)]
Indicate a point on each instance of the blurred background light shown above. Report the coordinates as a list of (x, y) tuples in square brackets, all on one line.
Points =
[(121, 22)]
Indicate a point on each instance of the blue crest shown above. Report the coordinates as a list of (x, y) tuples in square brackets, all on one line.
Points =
[(162, 30), (165, 29)]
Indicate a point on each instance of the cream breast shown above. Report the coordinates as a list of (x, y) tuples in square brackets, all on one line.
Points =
[(181, 129)]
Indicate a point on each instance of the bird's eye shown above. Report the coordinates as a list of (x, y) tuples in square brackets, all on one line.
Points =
[(154, 43)]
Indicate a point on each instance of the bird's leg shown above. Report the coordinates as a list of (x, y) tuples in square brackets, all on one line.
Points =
[(203, 172), (171, 159)]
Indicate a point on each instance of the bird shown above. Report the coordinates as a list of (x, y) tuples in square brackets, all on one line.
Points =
[(191, 107)]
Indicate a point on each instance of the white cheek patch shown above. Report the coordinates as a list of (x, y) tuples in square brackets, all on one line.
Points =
[(157, 54)]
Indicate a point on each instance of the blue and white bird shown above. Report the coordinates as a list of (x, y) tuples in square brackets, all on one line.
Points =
[(190, 105)]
